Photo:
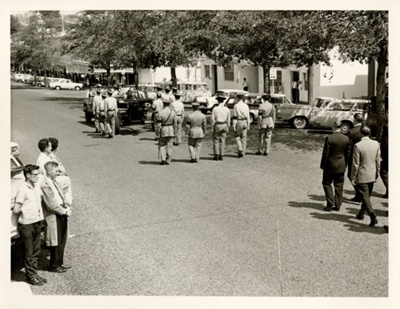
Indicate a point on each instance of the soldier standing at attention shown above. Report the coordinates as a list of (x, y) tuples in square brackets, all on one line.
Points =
[(166, 123), (157, 107), (195, 131), (266, 123), (241, 123), (220, 122), (98, 110), (111, 110), (179, 109)]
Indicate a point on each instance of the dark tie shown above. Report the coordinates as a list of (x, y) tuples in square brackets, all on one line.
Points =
[(59, 192)]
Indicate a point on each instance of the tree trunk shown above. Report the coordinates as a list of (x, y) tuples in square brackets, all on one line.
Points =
[(45, 79), (310, 76), (136, 76), (267, 88), (381, 93), (173, 76), (109, 77)]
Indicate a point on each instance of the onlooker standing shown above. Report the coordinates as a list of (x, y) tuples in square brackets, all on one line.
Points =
[(245, 84), (354, 136), (220, 122), (45, 149), (157, 107), (56, 212), (385, 159), (166, 123), (179, 109), (333, 162), (295, 91), (195, 131), (365, 171), (241, 123), (111, 110), (28, 207), (266, 123), (98, 110)]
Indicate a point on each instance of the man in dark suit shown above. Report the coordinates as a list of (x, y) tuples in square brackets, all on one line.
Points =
[(365, 171), (333, 162), (355, 136)]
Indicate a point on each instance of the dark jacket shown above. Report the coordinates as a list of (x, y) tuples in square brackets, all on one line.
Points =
[(336, 153), (354, 136)]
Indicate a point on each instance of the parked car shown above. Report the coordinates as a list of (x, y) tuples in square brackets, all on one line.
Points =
[(65, 84), (17, 179), (193, 90), (207, 104), (28, 78), (18, 77), (150, 90), (39, 81), (342, 110)]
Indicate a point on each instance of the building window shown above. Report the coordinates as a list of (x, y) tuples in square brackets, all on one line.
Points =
[(229, 74), (277, 83), (305, 81), (207, 71)]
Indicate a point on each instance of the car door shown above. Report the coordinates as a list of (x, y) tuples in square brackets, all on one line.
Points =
[(334, 111)]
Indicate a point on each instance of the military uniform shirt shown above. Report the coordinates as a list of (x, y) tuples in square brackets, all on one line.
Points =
[(220, 114), (267, 111), (110, 104), (196, 125)]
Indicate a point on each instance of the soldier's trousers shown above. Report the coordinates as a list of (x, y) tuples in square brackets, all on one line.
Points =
[(99, 122), (110, 122), (165, 144), (241, 135), (178, 129), (194, 148), (264, 141), (219, 136)]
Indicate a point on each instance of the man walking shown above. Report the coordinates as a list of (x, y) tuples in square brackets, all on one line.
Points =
[(98, 110), (354, 137), (157, 107), (220, 122), (241, 123), (111, 110), (333, 163), (166, 123), (365, 171), (28, 207), (56, 212), (195, 131), (266, 123), (179, 109)]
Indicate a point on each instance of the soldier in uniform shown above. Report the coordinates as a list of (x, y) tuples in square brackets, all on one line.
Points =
[(169, 94), (166, 123), (179, 109), (266, 123), (111, 110), (96, 111), (241, 123), (220, 122), (157, 107), (195, 131)]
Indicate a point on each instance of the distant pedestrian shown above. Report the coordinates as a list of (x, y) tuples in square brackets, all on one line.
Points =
[(245, 84), (157, 107), (179, 109), (169, 94), (334, 160), (241, 124), (220, 122), (384, 172), (111, 110), (98, 111), (166, 123), (28, 207), (365, 171), (195, 131), (266, 123), (354, 137), (295, 91), (56, 212)]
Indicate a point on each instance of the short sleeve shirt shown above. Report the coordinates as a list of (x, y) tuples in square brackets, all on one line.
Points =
[(30, 199)]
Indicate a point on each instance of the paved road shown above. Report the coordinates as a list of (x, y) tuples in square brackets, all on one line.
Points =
[(242, 227)]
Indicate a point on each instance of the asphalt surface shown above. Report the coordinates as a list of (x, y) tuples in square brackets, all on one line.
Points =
[(241, 227)]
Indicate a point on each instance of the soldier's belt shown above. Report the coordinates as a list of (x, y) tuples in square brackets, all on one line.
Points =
[(220, 122)]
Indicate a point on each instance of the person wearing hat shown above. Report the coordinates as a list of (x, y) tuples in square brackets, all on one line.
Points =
[(179, 109), (365, 171), (220, 122), (195, 131), (241, 123), (335, 156), (157, 107), (166, 122), (169, 94), (266, 123), (111, 110), (98, 109)]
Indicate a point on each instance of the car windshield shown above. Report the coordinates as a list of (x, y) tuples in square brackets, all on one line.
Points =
[(341, 106), (319, 102)]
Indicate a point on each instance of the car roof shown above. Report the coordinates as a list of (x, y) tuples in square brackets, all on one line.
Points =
[(351, 101), (231, 90)]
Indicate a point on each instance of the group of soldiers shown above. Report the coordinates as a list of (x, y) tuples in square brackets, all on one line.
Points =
[(168, 115)]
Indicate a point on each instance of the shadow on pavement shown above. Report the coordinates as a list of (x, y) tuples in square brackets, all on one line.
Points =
[(316, 206), (150, 162), (317, 197)]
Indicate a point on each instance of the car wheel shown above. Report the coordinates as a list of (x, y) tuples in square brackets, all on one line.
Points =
[(58, 88), (77, 88), (117, 125), (39, 85), (345, 127), (299, 122), (88, 117)]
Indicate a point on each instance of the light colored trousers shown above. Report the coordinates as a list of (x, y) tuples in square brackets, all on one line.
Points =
[(165, 144), (264, 141), (110, 123), (194, 148)]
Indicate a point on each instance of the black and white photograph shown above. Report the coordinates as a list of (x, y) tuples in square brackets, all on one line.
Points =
[(199, 155)]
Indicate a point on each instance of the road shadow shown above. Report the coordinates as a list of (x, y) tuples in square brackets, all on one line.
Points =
[(315, 206), (128, 131), (150, 162), (147, 139), (317, 197)]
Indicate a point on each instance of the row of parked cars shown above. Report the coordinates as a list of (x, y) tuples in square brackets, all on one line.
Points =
[(322, 113), (53, 82)]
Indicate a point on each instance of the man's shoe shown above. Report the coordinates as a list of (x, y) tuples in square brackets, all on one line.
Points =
[(42, 279), (35, 281), (265, 154), (220, 158), (373, 222), (386, 195), (166, 163), (240, 154), (386, 228), (192, 161), (103, 133), (258, 153), (66, 266), (58, 269), (162, 163), (327, 208), (336, 208), (360, 217), (216, 158)]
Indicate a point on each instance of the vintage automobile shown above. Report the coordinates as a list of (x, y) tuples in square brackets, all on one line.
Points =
[(17, 179), (342, 110), (65, 84), (207, 105), (193, 90), (150, 90)]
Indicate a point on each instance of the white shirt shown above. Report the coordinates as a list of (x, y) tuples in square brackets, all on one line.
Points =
[(178, 107), (41, 161), (30, 198)]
